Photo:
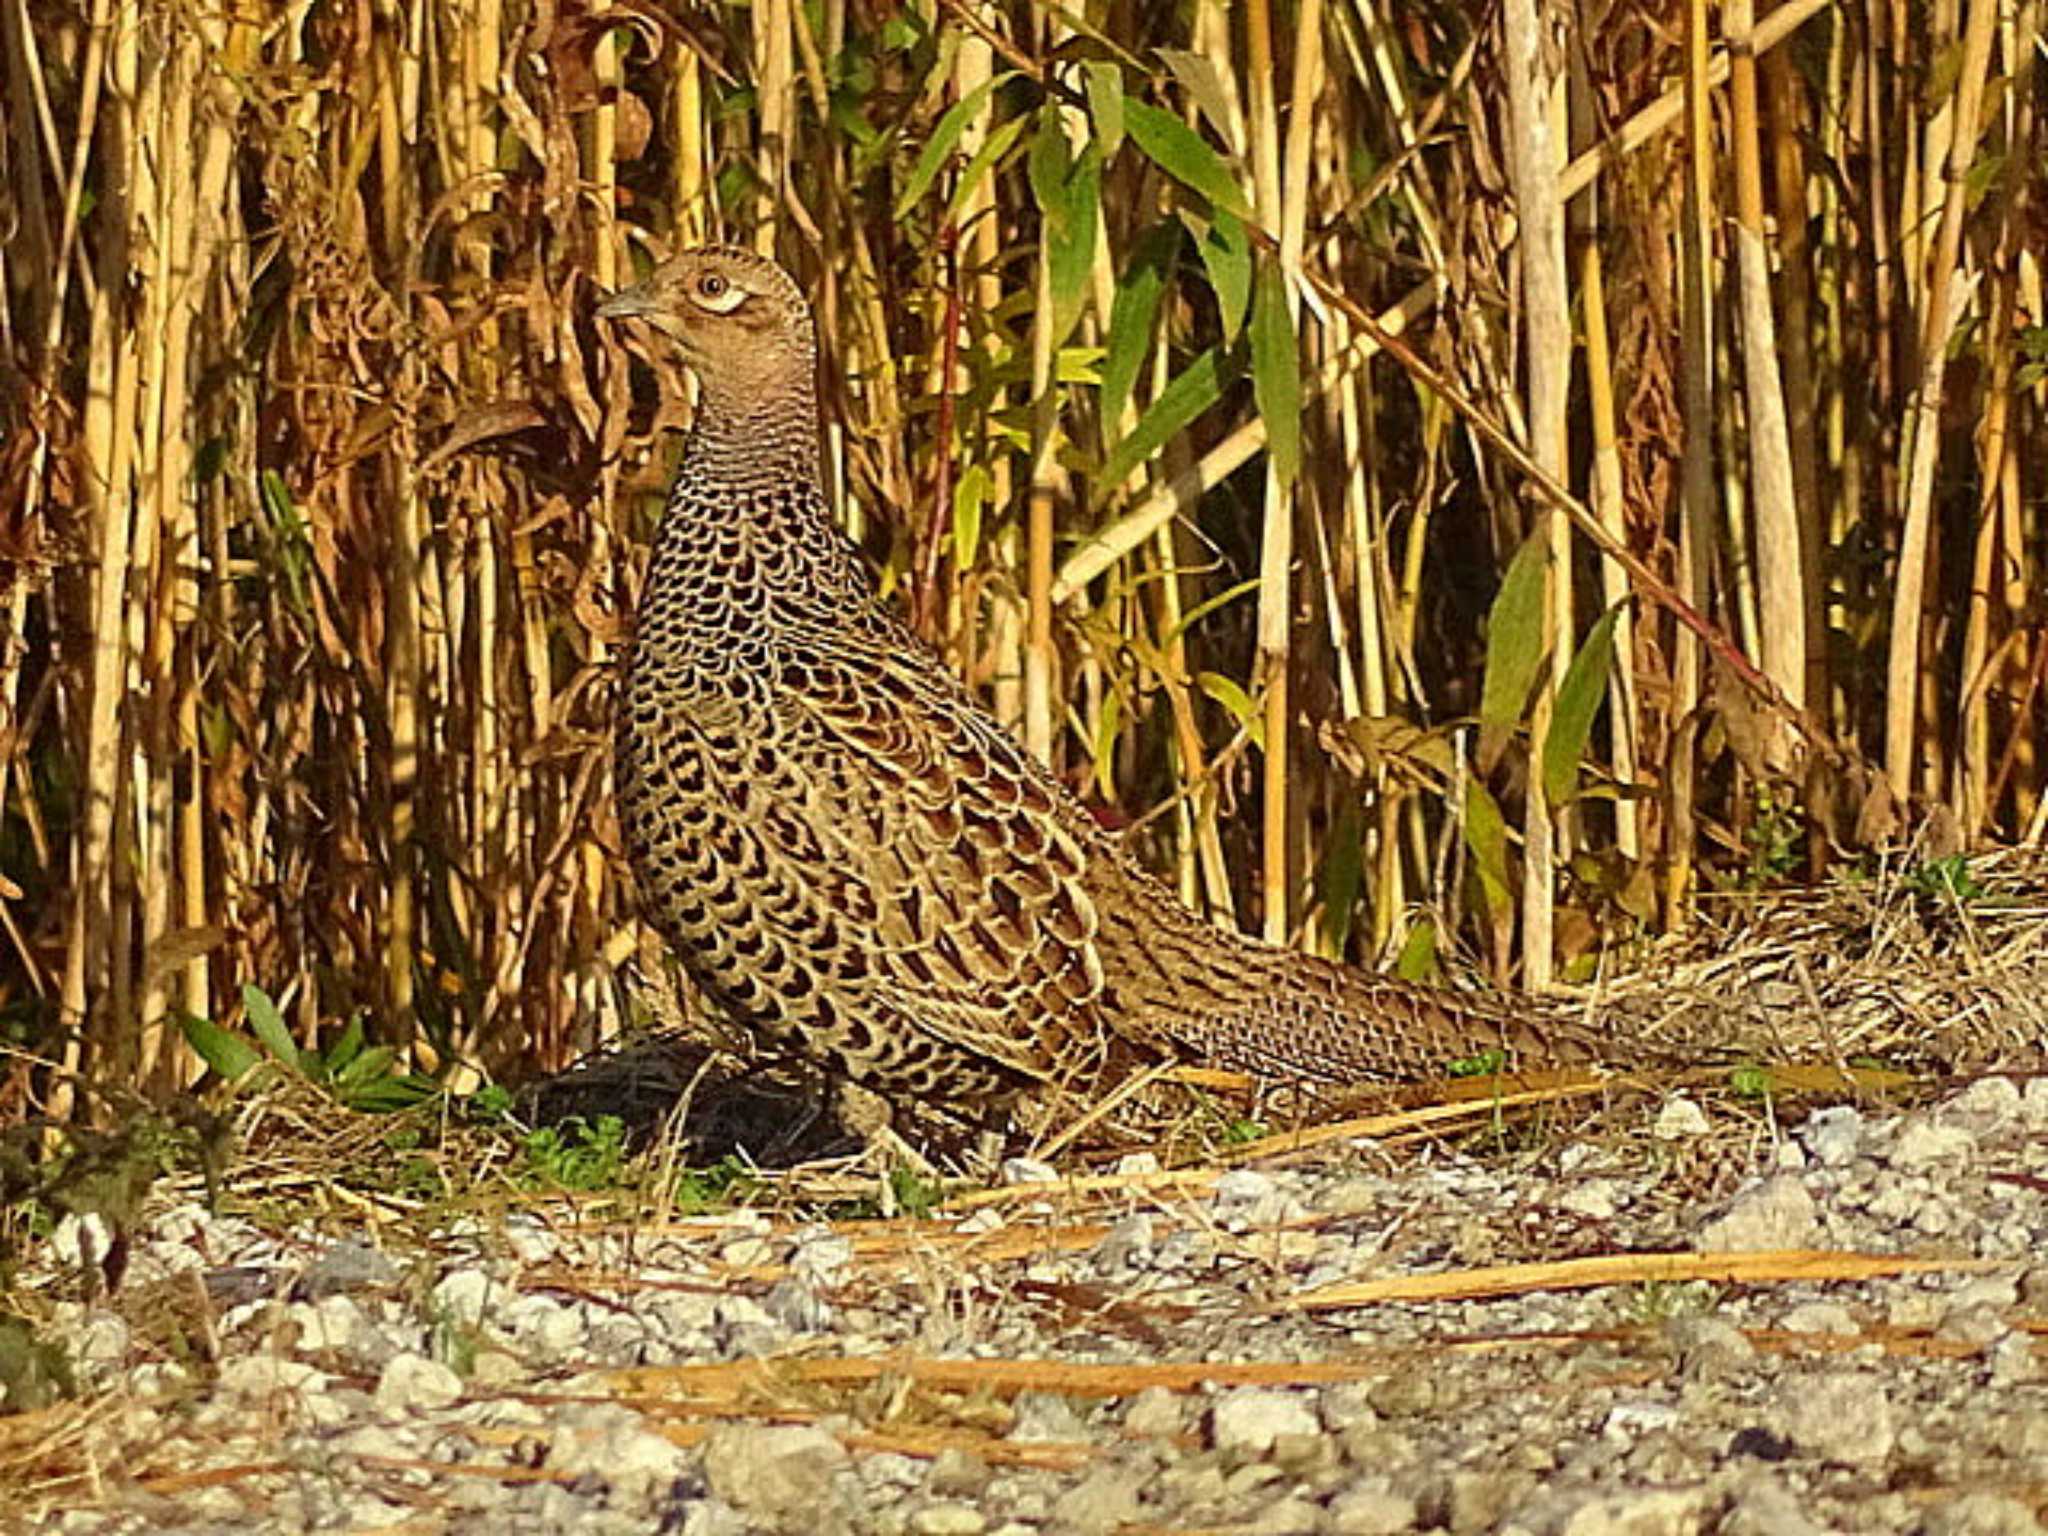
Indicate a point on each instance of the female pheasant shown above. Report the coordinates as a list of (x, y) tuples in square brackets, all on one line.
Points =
[(858, 863)]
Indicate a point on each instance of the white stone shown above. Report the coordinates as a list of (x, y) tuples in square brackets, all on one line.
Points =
[(614, 1443), (1923, 1144), (1657, 1512), (463, 1296), (774, 1469), (1103, 1500), (1834, 1135), (1639, 1416), (1778, 1213), (1247, 1420), (948, 1519), (1988, 1104), (1596, 1199), (1681, 1119), (543, 1325), (1829, 1317), (1842, 1417), (1372, 1509), (411, 1384), (1154, 1413)]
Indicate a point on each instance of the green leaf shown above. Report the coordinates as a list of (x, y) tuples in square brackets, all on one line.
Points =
[(1417, 960), (1072, 249), (1207, 606), (346, 1049), (1237, 701), (1514, 635), (1186, 156), (368, 1067), (944, 139), (387, 1095), (1484, 1063), (1193, 391), (1198, 77), (1486, 834), (993, 149), (1132, 316), (1068, 192), (1104, 745), (1078, 365), (1226, 251), (1050, 161), (221, 1049), (1276, 372), (1105, 103), (968, 497), (269, 1027), (1578, 700), (1342, 873)]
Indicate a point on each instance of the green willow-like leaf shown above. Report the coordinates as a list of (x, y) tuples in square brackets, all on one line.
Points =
[(1132, 316), (1343, 872), (269, 1026), (1276, 372), (1578, 701), (993, 149), (226, 1052), (1185, 155), (1514, 636), (1486, 834), (968, 498), (1233, 698), (1226, 251), (1068, 190), (1417, 960), (1193, 391), (1105, 84), (945, 137)]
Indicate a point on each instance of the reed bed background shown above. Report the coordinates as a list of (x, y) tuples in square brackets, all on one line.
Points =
[(1468, 478)]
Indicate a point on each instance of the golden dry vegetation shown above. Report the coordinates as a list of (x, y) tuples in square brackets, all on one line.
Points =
[(1473, 474)]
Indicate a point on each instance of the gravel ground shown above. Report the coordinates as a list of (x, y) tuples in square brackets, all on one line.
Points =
[(1149, 1356)]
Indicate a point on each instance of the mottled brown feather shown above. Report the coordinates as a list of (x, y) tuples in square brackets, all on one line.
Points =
[(861, 865)]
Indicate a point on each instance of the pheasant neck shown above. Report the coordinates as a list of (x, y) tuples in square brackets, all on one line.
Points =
[(746, 538), (755, 442)]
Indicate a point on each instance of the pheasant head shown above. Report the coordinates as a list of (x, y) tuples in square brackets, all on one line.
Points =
[(741, 323)]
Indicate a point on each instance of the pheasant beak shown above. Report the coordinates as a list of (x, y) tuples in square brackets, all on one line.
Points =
[(626, 303)]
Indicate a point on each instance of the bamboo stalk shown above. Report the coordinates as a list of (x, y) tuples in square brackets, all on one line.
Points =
[(1696, 527), (774, 66), (92, 958), (1998, 565), (1624, 726), (1904, 746), (1786, 95), (1774, 505), (1539, 211)]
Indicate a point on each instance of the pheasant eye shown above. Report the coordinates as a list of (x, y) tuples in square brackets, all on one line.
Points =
[(711, 286)]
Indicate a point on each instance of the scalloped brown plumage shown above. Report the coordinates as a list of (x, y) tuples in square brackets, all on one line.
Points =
[(861, 866)]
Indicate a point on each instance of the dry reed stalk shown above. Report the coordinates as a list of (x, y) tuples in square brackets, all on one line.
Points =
[(1905, 745), (1624, 725), (1539, 213), (1998, 563), (1276, 540), (1786, 93), (1042, 500), (94, 956), (1781, 570), (1696, 542)]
